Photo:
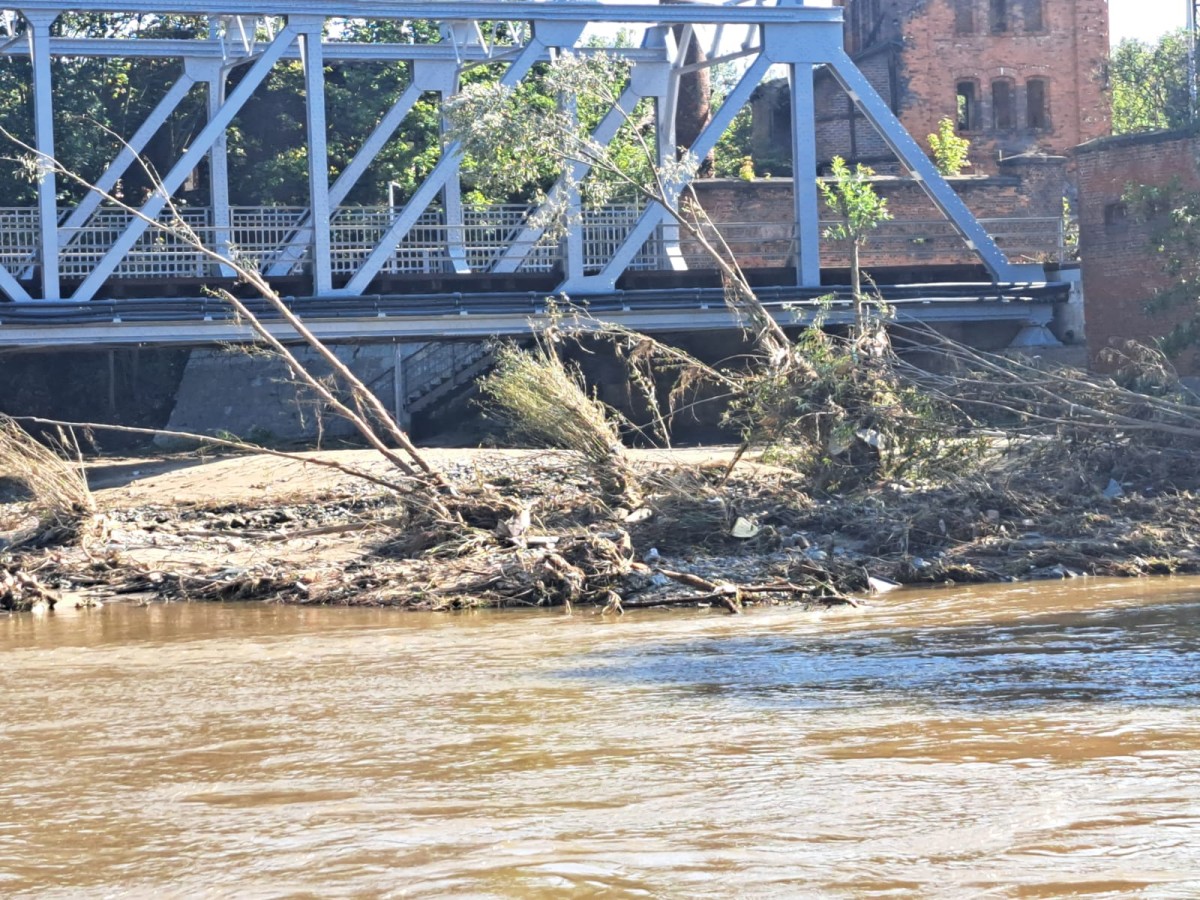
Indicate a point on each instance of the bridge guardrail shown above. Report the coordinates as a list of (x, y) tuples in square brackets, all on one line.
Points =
[(262, 234)]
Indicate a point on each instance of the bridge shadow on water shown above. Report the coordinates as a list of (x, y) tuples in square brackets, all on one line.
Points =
[(1140, 656)]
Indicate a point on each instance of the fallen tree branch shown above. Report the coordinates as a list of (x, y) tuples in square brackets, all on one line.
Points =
[(242, 446)]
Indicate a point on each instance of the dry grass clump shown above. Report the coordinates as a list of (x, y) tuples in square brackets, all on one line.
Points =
[(540, 400), (58, 489)]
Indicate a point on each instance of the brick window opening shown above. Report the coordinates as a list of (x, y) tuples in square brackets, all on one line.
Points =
[(1037, 114), (1115, 215), (998, 16), (968, 106), (1034, 18), (964, 16), (1004, 111)]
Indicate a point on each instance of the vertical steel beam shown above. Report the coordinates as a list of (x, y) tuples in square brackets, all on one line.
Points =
[(665, 151), (452, 209), (573, 243), (309, 28), (43, 129), (218, 169), (190, 158), (804, 177), (665, 90)]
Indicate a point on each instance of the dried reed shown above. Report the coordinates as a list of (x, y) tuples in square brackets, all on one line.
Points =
[(540, 400), (58, 488)]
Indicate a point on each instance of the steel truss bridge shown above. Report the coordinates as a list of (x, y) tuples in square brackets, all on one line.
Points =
[(100, 274)]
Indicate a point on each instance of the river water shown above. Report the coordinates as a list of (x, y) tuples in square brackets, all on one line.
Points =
[(1036, 740)]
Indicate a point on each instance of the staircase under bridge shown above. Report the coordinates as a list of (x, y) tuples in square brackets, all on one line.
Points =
[(430, 266)]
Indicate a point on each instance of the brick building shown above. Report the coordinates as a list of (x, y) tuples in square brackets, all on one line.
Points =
[(1120, 270), (1017, 76)]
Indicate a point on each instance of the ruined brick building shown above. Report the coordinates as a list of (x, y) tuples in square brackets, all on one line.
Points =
[(1016, 76), (1121, 269)]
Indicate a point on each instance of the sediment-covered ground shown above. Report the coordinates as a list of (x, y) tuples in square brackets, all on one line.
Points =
[(256, 527)]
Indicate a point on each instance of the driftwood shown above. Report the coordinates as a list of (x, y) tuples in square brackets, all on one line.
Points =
[(21, 590)]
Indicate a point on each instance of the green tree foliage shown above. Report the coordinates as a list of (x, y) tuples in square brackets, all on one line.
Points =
[(1172, 215), (1149, 84), (733, 149), (98, 101), (851, 198), (949, 150), (517, 141)]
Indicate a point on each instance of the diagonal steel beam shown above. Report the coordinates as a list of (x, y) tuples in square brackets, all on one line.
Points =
[(123, 160), (11, 288), (190, 158), (606, 279), (446, 168), (345, 182), (214, 74), (863, 93), (806, 202)]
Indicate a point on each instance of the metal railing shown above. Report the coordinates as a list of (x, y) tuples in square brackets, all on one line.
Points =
[(263, 236), (436, 363)]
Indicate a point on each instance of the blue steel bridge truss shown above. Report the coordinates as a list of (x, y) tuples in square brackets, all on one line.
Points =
[(70, 258)]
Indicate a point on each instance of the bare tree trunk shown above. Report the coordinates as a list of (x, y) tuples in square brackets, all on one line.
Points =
[(856, 287)]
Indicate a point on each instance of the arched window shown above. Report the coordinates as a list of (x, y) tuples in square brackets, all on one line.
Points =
[(964, 16), (1004, 105), (1037, 109), (998, 16), (967, 118), (1033, 16)]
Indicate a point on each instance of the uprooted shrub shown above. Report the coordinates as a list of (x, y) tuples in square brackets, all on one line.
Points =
[(843, 415), (535, 395)]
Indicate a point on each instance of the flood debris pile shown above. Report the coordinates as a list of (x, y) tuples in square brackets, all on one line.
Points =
[(848, 483), (532, 534), (538, 536)]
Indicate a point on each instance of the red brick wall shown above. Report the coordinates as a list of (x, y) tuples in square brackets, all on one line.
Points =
[(1069, 53), (840, 128), (755, 216), (1120, 271)]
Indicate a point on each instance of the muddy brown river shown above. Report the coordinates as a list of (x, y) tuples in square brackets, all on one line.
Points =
[(1036, 740)]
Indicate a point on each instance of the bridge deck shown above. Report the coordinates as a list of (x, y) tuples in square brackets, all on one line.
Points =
[(447, 315)]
